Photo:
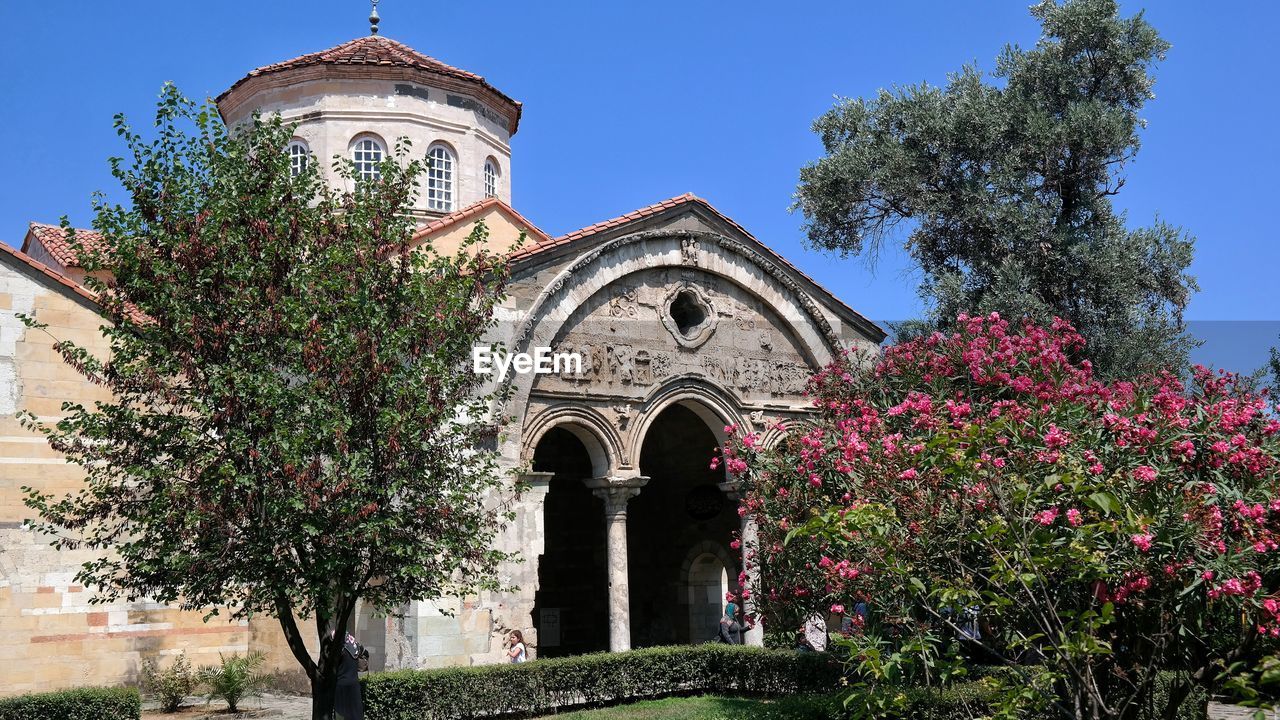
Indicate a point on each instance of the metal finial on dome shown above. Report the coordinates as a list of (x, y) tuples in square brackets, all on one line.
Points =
[(373, 18)]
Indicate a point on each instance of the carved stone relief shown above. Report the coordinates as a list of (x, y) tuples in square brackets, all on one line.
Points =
[(671, 322)]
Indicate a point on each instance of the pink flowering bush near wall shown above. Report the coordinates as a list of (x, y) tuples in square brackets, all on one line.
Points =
[(1101, 531)]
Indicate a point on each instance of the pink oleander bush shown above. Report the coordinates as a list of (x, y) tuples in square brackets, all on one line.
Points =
[(1099, 531)]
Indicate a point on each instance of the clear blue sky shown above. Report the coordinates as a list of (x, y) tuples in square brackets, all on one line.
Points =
[(627, 103)]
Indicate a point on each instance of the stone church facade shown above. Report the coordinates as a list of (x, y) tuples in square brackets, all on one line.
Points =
[(684, 321)]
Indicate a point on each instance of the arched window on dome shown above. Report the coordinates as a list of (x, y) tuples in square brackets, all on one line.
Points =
[(490, 177), (367, 154), (299, 156), (440, 161)]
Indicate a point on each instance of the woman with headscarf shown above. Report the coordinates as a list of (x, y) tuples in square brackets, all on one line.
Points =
[(348, 702), (730, 629)]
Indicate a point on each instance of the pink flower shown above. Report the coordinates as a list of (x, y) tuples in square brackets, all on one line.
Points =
[(1142, 542), (1056, 437), (908, 474), (1145, 473), (1046, 517), (837, 609), (1073, 517)]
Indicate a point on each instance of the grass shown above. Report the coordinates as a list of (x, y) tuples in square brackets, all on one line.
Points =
[(712, 707)]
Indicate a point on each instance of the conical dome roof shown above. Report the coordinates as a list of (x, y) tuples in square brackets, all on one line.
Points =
[(376, 51)]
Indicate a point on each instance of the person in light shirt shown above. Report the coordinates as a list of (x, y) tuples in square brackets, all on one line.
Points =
[(814, 633), (516, 649)]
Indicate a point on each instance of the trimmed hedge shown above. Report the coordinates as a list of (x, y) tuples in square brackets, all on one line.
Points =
[(544, 686), (79, 704)]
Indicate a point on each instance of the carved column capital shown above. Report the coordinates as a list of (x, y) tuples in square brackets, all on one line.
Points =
[(616, 491), (537, 482)]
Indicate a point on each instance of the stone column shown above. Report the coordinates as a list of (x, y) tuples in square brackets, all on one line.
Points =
[(616, 491), (750, 542), (530, 538), (750, 539)]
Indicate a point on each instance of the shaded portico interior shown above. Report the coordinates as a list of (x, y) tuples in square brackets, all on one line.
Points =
[(678, 531)]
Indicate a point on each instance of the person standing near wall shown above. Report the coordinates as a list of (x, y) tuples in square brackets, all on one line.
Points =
[(730, 628), (349, 702), (516, 650)]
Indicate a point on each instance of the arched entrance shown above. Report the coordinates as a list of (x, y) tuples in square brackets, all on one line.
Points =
[(707, 581), (681, 514), (571, 605)]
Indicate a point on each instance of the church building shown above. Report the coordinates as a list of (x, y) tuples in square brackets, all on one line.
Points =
[(685, 322)]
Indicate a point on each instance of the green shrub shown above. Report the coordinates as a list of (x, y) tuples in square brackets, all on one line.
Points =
[(79, 704), (546, 686), (980, 697), (1194, 707), (169, 686), (958, 702), (543, 686), (235, 678)]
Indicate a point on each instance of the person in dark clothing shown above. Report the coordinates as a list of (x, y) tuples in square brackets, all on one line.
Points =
[(730, 629), (348, 702)]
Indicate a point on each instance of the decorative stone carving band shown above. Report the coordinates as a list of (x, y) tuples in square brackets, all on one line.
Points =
[(783, 278)]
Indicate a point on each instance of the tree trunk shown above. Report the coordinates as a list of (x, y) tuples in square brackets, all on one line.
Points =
[(323, 692)]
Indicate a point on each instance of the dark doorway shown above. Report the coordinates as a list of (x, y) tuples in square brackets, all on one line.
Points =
[(572, 578), (676, 519)]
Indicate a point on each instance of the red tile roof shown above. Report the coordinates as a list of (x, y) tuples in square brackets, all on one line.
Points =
[(377, 50), (474, 209), (54, 239), (48, 273), (660, 207), (589, 230)]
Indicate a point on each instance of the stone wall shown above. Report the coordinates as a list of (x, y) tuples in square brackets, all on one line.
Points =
[(53, 637)]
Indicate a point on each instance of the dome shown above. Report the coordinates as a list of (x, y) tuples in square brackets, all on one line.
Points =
[(358, 99), (395, 59)]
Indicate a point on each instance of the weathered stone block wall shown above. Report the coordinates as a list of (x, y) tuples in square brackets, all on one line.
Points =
[(53, 637)]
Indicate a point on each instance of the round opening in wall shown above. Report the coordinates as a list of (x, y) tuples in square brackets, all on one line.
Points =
[(688, 312)]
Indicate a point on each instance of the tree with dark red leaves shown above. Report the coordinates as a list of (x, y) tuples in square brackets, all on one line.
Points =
[(292, 425)]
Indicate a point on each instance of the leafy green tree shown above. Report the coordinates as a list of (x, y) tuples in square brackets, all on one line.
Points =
[(1275, 375), (1003, 188), (292, 424)]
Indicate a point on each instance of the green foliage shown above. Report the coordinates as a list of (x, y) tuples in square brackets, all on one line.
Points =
[(1003, 188), (715, 707), (984, 483), (544, 686), (1275, 373), (79, 704), (963, 701), (236, 678), (292, 424), (171, 685), (987, 697)]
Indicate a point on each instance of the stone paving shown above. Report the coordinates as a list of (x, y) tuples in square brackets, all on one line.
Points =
[(1218, 711)]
